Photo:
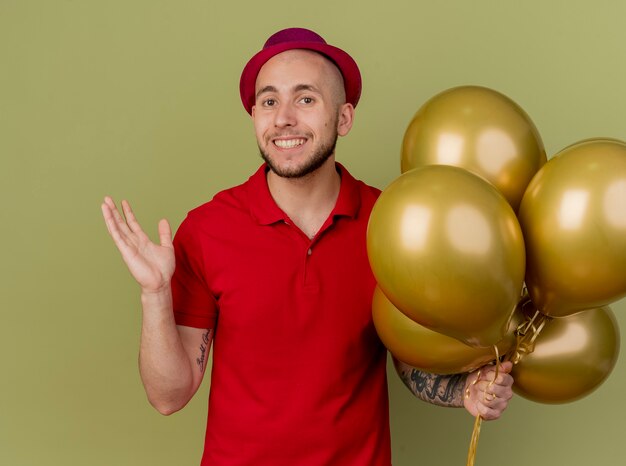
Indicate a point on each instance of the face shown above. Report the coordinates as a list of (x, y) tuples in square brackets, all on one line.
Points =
[(300, 110)]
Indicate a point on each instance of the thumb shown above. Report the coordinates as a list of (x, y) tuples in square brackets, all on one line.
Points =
[(165, 233), (506, 366)]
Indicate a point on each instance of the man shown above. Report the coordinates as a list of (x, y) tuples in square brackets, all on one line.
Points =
[(275, 273)]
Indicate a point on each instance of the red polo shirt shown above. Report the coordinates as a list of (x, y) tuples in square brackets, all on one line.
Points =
[(298, 370)]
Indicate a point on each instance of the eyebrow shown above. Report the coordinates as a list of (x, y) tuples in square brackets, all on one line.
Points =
[(265, 89), (297, 88), (305, 87)]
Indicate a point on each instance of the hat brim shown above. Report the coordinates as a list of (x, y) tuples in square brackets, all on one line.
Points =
[(343, 61)]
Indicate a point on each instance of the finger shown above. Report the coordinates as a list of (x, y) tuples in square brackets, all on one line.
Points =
[(106, 214), (492, 398), (502, 382), (492, 409), (496, 397), (118, 229), (499, 400), (487, 413), (117, 217), (109, 220), (502, 391), (131, 220), (165, 233), (502, 378), (506, 367), (119, 239)]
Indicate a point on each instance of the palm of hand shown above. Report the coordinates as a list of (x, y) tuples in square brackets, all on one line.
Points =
[(152, 265)]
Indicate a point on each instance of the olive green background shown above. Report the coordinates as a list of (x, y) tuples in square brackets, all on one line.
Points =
[(139, 100)]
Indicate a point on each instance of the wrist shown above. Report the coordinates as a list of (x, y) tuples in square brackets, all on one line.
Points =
[(161, 294)]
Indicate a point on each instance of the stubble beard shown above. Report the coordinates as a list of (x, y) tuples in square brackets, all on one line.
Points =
[(314, 162)]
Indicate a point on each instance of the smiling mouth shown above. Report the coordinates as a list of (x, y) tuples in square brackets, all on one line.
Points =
[(289, 143)]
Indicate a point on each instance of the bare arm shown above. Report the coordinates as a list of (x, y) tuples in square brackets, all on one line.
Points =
[(442, 390), (480, 392), (172, 359)]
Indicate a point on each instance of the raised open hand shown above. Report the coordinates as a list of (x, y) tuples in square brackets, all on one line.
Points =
[(152, 265)]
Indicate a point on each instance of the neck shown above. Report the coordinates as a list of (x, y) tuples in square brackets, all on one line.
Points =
[(308, 201)]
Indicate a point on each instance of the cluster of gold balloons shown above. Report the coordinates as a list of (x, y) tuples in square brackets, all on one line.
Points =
[(478, 216)]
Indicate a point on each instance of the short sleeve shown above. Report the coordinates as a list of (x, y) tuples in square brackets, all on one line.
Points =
[(194, 304)]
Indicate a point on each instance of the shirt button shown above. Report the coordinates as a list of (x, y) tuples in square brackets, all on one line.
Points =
[(310, 251)]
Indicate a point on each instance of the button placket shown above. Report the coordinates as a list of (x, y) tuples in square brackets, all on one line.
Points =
[(308, 282)]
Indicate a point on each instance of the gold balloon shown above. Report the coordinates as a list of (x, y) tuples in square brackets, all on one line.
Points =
[(573, 355), (478, 129), (447, 250), (425, 349), (573, 216)]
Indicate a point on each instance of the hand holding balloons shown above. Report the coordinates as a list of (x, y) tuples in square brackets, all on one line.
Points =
[(449, 254), (488, 391)]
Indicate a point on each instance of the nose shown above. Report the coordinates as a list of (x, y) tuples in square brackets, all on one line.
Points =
[(285, 116)]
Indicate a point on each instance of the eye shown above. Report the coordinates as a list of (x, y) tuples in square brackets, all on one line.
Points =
[(306, 100), (269, 102)]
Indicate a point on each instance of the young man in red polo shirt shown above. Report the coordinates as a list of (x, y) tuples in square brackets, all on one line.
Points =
[(275, 274)]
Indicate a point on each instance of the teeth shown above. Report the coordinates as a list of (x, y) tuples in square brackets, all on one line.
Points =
[(288, 143)]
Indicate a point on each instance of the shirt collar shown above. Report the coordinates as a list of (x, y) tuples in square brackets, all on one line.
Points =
[(264, 209), (349, 201)]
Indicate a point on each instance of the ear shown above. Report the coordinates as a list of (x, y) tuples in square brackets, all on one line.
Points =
[(345, 120), (253, 111)]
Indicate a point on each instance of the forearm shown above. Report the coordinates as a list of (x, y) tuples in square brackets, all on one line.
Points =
[(442, 390), (165, 367)]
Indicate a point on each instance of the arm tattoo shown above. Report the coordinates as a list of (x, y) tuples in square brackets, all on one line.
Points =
[(204, 348), (442, 390)]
